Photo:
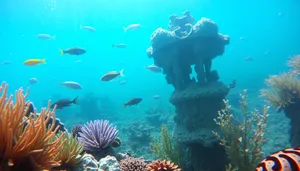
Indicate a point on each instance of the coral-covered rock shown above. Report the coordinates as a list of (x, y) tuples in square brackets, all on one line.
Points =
[(133, 164), (162, 166), (109, 163)]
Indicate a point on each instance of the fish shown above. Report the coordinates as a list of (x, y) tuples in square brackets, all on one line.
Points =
[(132, 27), (78, 61), (73, 51), (33, 81), (45, 36), (32, 62), (5, 62), (71, 85), (111, 75), (284, 160), (119, 45), (123, 82), (88, 28), (62, 103), (156, 97), (248, 58), (154, 68), (132, 102)]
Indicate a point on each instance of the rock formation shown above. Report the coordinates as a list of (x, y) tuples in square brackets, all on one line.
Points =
[(197, 100)]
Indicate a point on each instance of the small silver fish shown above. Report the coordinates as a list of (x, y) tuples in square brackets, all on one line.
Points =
[(71, 85), (156, 97), (45, 36), (132, 27), (88, 28), (154, 68)]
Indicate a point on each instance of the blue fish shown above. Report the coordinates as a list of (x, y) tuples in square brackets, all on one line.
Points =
[(73, 51)]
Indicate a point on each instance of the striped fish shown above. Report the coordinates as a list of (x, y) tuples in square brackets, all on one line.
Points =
[(284, 160)]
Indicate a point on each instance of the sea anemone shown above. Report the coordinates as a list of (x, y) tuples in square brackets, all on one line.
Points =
[(97, 135), (69, 155), (26, 146), (162, 166), (131, 163)]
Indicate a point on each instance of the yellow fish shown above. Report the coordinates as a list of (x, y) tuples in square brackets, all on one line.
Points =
[(31, 62)]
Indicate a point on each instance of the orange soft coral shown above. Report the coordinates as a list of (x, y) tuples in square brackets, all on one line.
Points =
[(162, 166), (25, 142)]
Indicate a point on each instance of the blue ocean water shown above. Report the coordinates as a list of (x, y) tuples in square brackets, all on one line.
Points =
[(267, 31)]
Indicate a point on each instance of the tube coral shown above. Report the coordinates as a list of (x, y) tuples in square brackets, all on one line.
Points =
[(243, 142), (26, 146), (162, 166)]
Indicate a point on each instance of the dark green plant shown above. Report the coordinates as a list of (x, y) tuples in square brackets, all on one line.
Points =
[(166, 148), (243, 142)]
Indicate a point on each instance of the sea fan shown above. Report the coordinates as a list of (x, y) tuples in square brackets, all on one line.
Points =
[(97, 135), (162, 166), (131, 163)]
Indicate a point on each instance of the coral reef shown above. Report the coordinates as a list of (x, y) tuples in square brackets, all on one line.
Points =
[(162, 166), (69, 155), (139, 134), (197, 100), (75, 130), (133, 164), (156, 116), (283, 93), (26, 146), (243, 142), (57, 120), (98, 136), (166, 148)]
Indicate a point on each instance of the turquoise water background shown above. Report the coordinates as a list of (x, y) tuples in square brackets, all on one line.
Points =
[(270, 30)]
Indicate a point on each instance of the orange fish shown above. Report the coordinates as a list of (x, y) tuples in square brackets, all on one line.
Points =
[(32, 62), (283, 160)]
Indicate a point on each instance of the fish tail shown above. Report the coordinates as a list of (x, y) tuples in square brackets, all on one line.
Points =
[(124, 105), (81, 26), (125, 29), (62, 52), (113, 45), (122, 73), (75, 101), (43, 61), (53, 37)]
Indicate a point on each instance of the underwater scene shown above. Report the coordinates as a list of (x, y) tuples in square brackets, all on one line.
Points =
[(149, 85)]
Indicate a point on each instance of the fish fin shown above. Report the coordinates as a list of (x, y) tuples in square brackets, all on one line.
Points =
[(62, 52), (124, 105), (43, 61), (75, 101), (121, 73), (125, 29)]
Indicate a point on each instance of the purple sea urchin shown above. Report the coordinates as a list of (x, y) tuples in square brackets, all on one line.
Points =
[(97, 135)]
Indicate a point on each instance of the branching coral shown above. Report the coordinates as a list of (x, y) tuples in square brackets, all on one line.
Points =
[(166, 148), (26, 146), (243, 142), (283, 89), (162, 166), (69, 155)]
